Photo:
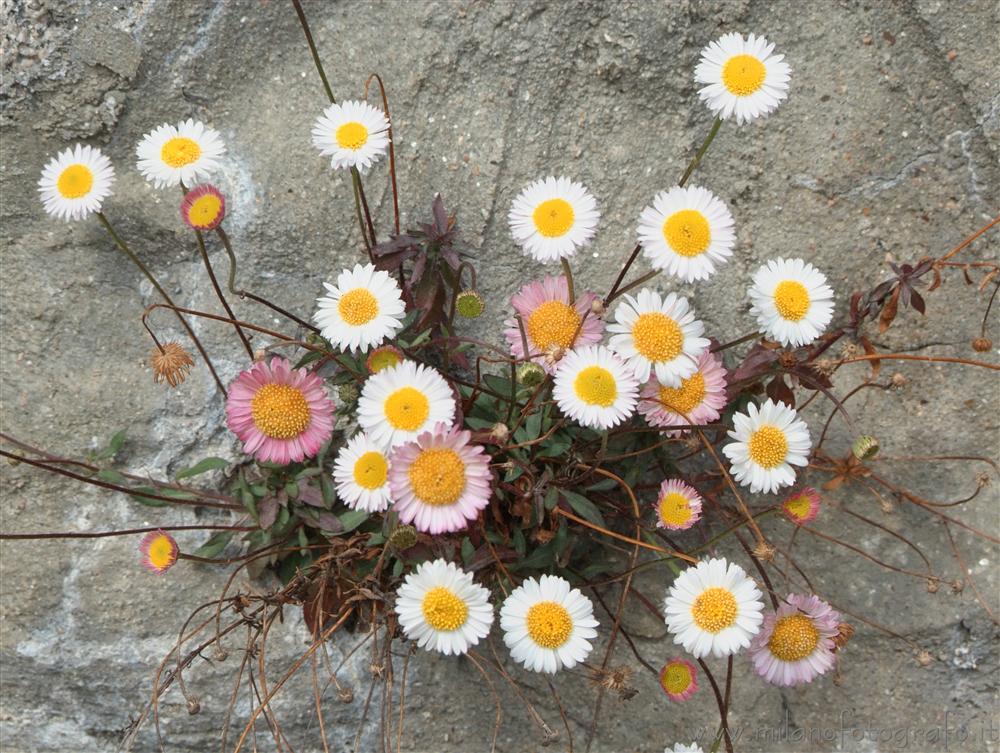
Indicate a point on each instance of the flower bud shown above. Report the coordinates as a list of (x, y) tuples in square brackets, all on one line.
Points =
[(530, 374), (469, 304), (403, 538), (865, 447)]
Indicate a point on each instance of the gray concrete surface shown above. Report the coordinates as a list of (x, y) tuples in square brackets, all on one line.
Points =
[(888, 146)]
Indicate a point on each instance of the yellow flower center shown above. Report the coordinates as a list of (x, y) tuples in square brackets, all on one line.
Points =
[(549, 624), (280, 411), (383, 358), (675, 509), (443, 610), (798, 507), (687, 232), (161, 553), (204, 210), (657, 337), (768, 446), (438, 477), (553, 324), (684, 399), (407, 408), (357, 307), (743, 75), (595, 385), (553, 218), (794, 638), (75, 181), (714, 610), (791, 299), (370, 470), (676, 679), (352, 136), (180, 151)]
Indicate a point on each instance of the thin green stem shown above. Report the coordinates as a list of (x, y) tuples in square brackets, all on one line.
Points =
[(568, 271), (701, 152), (163, 293), (356, 182), (312, 49), (247, 294), (738, 341), (632, 285), (219, 293)]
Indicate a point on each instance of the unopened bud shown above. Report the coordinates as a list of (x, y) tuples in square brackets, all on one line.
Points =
[(530, 374), (403, 538), (865, 447), (347, 393), (193, 706), (469, 304), (982, 344)]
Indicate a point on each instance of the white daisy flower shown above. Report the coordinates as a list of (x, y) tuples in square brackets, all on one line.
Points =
[(791, 300), (713, 608), (185, 153), (594, 387), (744, 79), (658, 334), (682, 748), (767, 442), (552, 217), (75, 182), (443, 609), (547, 625), (362, 475), (401, 402), (686, 232), (364, 309), (353, 134)]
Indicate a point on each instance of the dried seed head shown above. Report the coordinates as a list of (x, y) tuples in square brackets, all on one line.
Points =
[(983, 479), (554, 354), (499, 433), (616, 679), (865, 447), (597, 308), (932, 586), (403, 538), (850, 350), (898, 381), (958, 586), (982, 344), (193, 706), (924, 658), (469, 304), (825, 366), (844, 632), (259, 355), (530, 374), (764, 551), (345, 694), (788, 359), (171, 364)]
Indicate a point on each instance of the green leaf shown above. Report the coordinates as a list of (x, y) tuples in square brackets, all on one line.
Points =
[(468, 551), (551, 497), (139, 492), (540, 559), (583, 507), (114, 444), (520, 545), (112, 477), (352, 519), (397, 568), (202, 466), (215, 544)]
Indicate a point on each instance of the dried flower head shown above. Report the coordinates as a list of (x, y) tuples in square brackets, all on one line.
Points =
[(469, 304), (845, 631), (764, 551), (865, 447), (597, 308), (615, 679), (982, 344), (171, 364), (499, 432), (824, 366), (898, 381), (925, 658)]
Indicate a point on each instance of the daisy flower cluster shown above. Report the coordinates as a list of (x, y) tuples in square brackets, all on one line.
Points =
[(463, 487)]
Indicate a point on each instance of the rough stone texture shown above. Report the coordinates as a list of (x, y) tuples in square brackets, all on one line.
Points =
[(887, 146)]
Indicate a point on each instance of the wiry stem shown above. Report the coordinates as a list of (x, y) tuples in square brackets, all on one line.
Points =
[(163, 293)]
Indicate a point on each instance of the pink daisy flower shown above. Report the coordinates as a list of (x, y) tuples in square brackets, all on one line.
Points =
[(439, 482), (679, 679), (801, 507), (281, 414), (159, 551), (678, 505), (550, 321), (698, 401), (203, 207), (796, 643)]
